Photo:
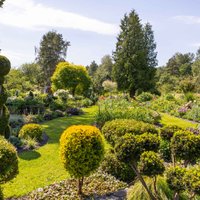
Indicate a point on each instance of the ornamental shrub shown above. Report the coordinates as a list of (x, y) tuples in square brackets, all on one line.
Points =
[(145, 96), (8, 161), (168, 131), (192, 180), (116, 168), (81, 151), (186, 146), (174, 179), (151, 164), (4, 120), (1, 193), (115, 129), (4, 65), (33, 131)]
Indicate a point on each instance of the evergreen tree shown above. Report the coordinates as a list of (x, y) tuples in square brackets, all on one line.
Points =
[(135, 56), (1, 3), (52, 51), (92, 68)]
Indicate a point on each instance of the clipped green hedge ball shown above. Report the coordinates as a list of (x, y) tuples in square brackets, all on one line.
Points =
[(81, 150), (4, 65), (32, 131), (3, 96), (2, 79), (8, 161)]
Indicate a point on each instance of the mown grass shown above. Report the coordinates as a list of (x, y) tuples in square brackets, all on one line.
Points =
[(42, 167), (167, 119)]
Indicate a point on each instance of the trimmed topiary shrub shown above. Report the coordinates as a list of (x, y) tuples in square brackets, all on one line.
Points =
[(81, 151), (145, 96), (186, 146), (4, 114), (167, 132), (8, 161), (115, 129), (33, 131), (118, 169), (4, 65)]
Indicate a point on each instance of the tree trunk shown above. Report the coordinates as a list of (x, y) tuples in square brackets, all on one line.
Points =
[(133, 166), (132, 93), (155, 187), (80, 185)]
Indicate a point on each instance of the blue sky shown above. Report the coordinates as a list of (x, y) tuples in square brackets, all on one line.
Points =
[(92, 26)]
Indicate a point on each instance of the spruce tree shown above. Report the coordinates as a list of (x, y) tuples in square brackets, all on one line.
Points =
[(135, 56)]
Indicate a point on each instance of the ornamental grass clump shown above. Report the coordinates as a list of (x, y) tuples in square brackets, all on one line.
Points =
[(81, 151)]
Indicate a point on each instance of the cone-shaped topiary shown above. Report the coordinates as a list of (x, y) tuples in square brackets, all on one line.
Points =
[(81, 151), (4, 114)]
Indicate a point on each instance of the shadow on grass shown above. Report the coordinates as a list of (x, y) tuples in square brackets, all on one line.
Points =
[(29, 155)]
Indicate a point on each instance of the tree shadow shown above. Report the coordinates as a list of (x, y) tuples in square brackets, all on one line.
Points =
[(29, 155)]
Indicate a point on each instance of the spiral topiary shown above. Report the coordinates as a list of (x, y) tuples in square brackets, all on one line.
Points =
[(4, 114), (33, 131), (81, 151)]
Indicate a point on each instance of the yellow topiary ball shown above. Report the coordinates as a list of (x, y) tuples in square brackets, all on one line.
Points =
[(81, 149)]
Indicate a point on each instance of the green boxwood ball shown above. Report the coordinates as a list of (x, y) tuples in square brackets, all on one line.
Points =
[(4, 65), (3, 96), (8, 161), (81, 150), (4, 120), (32, 131)]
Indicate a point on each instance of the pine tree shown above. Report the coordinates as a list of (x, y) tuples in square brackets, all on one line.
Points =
[(52, 51), (134, 56)]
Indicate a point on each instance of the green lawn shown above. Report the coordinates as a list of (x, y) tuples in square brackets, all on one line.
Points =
[(42, 167), (170, 120)]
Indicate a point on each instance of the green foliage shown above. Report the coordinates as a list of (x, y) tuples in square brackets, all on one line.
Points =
[(137, 191), (150, 164), (69, 76), (3, 96), (1, 193), (115, 129), (175, 178), (4, 65), (81, 150), (2, 79), (4, 119), (135, 56), (168, 131), (8, 161), (110, 109), (165, 150), (32, 131), (192, 180), (52, 50), (119, 170), (145, 96), (92, 68), (186, 146), (129, 147)]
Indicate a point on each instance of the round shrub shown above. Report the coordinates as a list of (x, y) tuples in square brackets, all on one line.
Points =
[(186, 146), (3, 96), (4, 65), (119, 170), (192, 180), (175, 178), (81, 150), (115, 129), (167, 132), (8, 161), (148, 142), (33, 131), (150, 164), (145, 96), (4, 120)]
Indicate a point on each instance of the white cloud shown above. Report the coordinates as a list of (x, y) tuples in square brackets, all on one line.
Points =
[(188, 19), (31, 15)]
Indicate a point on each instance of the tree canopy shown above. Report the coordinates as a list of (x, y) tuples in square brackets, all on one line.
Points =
[(135, 56), (70, 76)]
